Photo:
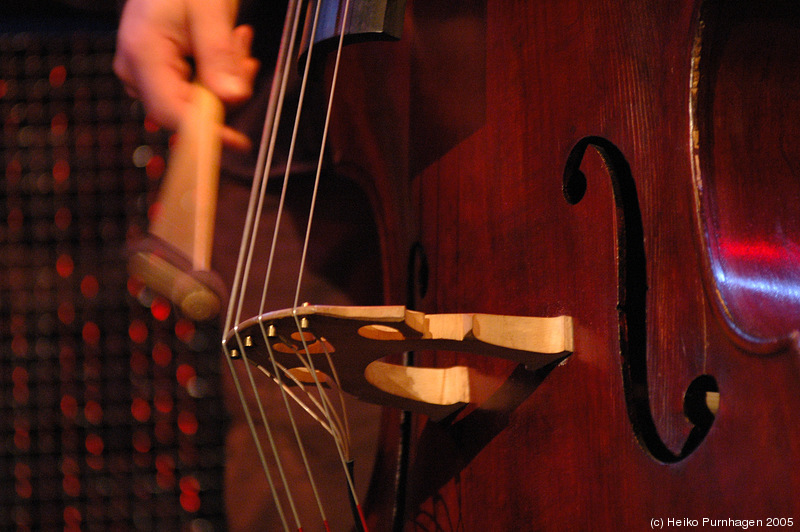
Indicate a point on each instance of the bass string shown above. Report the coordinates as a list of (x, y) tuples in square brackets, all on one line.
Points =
[(329, 410), (244, 262), (323, 410), (249, 241)]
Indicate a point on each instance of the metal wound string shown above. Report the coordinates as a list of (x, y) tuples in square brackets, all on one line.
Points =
[(333, 424), (266, 152), (325, 400)]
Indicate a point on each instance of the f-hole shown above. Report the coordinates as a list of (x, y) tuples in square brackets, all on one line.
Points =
[(632, 304)]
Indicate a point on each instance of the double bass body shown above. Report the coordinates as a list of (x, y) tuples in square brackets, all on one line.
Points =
[(671, 237)]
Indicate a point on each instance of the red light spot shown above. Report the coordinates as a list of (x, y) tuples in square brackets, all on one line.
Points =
[(165, 475), (91, 333), (13, 171), (24, 488), (58, 124), (93, 412), (761, 251), (165, 481), (187, 423), (141, 442), (22, 471), (184, 374), (71, 485), (184, 330), (15, 219), (65, 266), (22, 435), (19, 345), (69, 406), (63, 218), (89, 286), (190, 501), (163, 402), (151, 126), (19, 376), (72, 516), (94, 444), (135, 286), (22, 440), (3, 88), (69, 466), (17, 324), (160, 308), (162, 354), (165, 463), (155, 167), (95, 462), (58, 75), (21, 394), (61, 170), (137, 331), (66, 312), (140, 409), (190, 484)]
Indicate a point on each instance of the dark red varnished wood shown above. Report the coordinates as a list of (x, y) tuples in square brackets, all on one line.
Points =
[(461, 133)]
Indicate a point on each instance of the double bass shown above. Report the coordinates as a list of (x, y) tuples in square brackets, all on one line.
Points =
[(633, 167)]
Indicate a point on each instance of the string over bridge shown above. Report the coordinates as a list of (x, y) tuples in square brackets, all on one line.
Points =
[(355, 339)]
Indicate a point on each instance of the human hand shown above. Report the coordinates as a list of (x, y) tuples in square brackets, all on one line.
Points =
[(155, 40)]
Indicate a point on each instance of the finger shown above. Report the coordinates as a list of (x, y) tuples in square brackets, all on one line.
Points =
[(243, 42), (242, 39), (222, 64), (165, 89), (150, 61), (171, 108), (235, 140)]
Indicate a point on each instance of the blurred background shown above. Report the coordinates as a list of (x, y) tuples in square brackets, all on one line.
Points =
[(110, 414)]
